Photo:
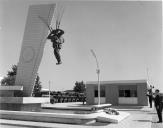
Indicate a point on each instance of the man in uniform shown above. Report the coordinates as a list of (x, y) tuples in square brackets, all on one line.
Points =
[(150, 95), (158, 105), (56, 38)]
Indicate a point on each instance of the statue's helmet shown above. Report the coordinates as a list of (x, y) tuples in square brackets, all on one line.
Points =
[(59, 32)]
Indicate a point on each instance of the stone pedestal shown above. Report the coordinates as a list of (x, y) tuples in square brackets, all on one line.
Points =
[(19, 97), (9, 100)]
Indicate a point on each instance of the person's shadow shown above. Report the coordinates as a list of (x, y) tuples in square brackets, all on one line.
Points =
[(154, 121), (143, 120), (146, 121)]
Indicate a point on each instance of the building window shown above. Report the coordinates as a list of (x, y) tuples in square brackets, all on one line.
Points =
[(127, 93), (133, 93), (96, 93), (102, 93), (121, 93)]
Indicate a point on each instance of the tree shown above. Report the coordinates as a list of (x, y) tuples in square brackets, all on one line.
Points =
[(10, 78), (13, 72), (79, 87), (37, 88)]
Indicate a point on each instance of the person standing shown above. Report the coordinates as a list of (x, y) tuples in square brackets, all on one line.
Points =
[(158, 105), (150, 95)]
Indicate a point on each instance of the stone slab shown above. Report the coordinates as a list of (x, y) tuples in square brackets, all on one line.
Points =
[(21, 107), (6, 93), (101, 106), (137, 119), (24, 100), (74, 106), (32, 124), (11, 91), (49, 117), (33, 44)]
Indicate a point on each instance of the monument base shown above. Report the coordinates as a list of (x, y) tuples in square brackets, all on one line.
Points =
[(22, 103), (67, 118), (21, 107)]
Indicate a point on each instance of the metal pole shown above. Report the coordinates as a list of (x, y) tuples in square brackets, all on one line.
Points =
[(147, 76), (49, 88), (98, 75)]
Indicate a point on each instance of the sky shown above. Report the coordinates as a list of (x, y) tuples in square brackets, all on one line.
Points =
[(125, 35)]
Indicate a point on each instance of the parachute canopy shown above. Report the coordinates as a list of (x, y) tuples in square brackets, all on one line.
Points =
[(59, 10)]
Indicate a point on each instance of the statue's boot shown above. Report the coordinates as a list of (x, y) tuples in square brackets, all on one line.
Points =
[(59, 63)]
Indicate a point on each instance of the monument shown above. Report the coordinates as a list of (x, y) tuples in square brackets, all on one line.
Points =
[(33, 45), (30, 57), (17, 99)]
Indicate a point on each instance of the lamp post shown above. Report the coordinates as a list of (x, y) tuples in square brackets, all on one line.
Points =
[(98, 75), (147, 75), (49, 88)]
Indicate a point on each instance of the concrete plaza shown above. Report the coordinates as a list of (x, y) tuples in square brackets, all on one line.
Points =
[(141, 117)]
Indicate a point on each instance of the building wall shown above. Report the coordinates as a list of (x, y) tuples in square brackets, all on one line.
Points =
[(112, 92), (90, 94), (141, 90)]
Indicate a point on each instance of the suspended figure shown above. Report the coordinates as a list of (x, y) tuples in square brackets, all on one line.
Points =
[(56, 35), (57, 39)]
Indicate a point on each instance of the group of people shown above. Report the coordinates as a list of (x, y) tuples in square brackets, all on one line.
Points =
[(157, 98)]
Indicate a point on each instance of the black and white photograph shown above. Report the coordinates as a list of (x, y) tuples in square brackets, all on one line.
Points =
[(81, 64)]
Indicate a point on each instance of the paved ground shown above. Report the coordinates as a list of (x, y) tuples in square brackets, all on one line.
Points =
[(141, 117), (154, 120)]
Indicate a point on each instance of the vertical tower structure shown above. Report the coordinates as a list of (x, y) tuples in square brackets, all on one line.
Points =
[(34, 39)]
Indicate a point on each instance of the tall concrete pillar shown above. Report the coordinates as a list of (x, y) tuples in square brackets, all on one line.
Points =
[(33, 45)]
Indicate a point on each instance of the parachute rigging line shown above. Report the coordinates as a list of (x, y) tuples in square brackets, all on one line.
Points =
[(43, 20), (59, 15)]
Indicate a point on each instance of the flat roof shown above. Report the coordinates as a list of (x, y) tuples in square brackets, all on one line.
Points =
[(118, 82)]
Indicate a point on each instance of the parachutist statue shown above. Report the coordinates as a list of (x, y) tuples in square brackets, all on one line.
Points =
[(56, 38), (56, 34)]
